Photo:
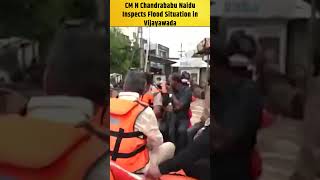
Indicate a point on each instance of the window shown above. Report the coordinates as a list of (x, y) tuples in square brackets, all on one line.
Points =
[(194, 77), (152, 52)]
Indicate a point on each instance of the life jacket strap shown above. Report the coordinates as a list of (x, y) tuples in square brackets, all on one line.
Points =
[(115, 155), (136, 134), (120, 135)]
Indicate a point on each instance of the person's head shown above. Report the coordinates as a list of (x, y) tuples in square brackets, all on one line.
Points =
[(185, 78), (242, 50), (242, 43), (221, 71), (135, 82), (175, 81), (77, 62), (149, 78)]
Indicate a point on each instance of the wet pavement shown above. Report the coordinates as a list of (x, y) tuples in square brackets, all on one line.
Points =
[(279, 145)]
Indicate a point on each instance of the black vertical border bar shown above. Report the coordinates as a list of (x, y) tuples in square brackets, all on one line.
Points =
[(107, 28), (212, 33)]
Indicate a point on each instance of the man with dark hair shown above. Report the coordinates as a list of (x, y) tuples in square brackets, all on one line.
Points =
[(194, 159), (236, 118), (135, 82), (185, 78), (75, 89), (241, 43), (135, 124), (77, 70), (181, 100)]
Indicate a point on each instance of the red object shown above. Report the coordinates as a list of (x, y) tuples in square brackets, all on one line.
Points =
[(256, 164), (123, 115), (256, 159), (267, 119), (118, 173), (175, 177)]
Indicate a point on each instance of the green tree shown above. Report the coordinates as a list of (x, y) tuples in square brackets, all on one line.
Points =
[(124, 54), (39, 19)]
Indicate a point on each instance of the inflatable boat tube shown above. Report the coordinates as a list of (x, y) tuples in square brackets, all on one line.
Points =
[(118, 173)]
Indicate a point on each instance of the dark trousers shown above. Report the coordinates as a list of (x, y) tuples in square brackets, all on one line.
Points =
[(174, 130), (193, 131), (231, 167), (164, 125), (178, 132), (199, 170)]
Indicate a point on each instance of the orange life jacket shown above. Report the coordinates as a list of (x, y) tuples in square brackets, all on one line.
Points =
[(38, 152), (127, 146), (148, 97)]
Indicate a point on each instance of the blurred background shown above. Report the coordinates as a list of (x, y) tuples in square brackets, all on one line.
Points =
[(287, 62), (26, 31)]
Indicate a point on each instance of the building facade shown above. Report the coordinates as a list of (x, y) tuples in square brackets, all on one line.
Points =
[(280, 30)]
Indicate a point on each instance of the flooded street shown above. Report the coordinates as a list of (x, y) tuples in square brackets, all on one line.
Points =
[(279, 146)]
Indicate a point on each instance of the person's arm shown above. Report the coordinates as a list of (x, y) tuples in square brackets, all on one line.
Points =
[(164, 87), (165, 94), (240, 121), (195, 151), (165, 99), (147, 123), (157, 105)]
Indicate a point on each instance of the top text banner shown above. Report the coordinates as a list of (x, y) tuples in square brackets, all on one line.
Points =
[(159, 13)]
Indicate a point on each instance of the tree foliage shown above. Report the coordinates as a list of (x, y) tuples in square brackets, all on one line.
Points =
[(38, 19), (124, 54)]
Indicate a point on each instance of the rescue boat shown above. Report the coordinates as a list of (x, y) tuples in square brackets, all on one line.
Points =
[(118, 173)]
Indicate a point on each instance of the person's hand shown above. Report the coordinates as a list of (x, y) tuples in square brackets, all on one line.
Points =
[(164, 84), (153, 173), (164, 87), (169, 108)]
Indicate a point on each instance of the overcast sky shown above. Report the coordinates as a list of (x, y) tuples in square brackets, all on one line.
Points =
[(172, 37)]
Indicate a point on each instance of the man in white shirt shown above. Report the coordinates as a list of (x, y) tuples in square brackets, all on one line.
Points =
[(147, 122)]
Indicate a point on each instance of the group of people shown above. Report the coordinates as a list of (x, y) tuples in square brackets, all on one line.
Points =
[(226, 149), (223, 150), (149, 128), (47, 133), (150, 131)]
